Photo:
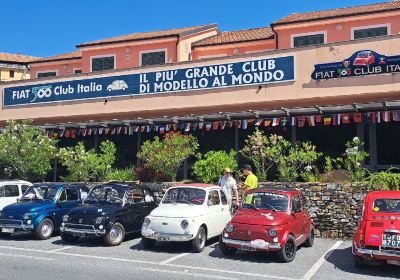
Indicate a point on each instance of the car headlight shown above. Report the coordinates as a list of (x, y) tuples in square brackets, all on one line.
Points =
[(99, 220), (229, 228), (146, 223), (27, 216), (272, 232), (65, 218), (184, 224)]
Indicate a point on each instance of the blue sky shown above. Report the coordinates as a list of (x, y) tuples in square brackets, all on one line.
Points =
[(49, 27)]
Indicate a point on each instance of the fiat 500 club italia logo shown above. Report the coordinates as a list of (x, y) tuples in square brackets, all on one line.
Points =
[(42, 91)]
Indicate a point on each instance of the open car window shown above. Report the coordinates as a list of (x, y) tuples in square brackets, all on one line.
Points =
[(184, 196), (106, 194), (40, 192), (386, 205)]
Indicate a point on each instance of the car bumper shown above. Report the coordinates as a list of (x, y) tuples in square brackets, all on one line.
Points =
[(17, 225), (252, 246), (376, 254), (161, 236), (82, 229)]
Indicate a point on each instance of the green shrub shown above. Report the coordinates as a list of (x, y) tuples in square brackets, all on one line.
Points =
[(123, 175), (384, 180), (209, 168)]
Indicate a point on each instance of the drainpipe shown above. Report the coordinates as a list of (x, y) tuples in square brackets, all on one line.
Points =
[(276, 36)]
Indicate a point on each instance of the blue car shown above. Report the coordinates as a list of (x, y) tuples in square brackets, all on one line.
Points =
[(41, 208)]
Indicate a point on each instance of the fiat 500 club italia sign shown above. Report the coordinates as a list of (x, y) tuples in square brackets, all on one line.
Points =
[(263, 71), (361, 63)]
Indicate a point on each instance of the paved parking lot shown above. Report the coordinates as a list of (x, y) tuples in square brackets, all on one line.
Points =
[(21, 256)]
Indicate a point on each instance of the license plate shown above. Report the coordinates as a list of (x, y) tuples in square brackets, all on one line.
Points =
[(247, 248), (390, 240), (79, 234), (7, 230)]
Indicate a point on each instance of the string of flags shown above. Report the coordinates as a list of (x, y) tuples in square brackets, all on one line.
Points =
[(298, 121)]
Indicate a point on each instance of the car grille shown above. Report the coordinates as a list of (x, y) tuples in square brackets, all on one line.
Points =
[(87, 219)]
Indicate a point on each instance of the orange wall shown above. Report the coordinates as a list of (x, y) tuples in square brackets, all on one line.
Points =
[(122, 60), (64, 68), (285, 32), (228, 49)]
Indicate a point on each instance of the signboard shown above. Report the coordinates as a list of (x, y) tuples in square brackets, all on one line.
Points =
[(361, 63), (262, 71)]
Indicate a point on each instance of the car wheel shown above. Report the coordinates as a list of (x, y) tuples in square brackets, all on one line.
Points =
[(199, 242), (115, 235), (288, 252), (310, 240), (67, 237), (45, 229), (358, 261), (148, 243), (225, 250)]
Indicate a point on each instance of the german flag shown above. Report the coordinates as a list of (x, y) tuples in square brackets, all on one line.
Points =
[(327, 120)]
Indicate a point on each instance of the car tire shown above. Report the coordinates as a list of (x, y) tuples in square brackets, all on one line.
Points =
[(225, 250), (358, 261), (199, 242), (67, 237), (115, 235), (148, 243), (45, 229), (311, 237), (288, 252)]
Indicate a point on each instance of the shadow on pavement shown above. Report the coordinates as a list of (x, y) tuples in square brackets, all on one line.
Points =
[(92, 241), (342, 259)]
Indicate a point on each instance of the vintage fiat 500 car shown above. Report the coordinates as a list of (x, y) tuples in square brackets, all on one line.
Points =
[(41, 208), (111, 211), (11, 191), (377, 238), (269, 219), (193, 213)]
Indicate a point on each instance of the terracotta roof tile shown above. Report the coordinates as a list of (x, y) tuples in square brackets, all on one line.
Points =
[(16, 58), (237, 36), (151, 35), (64, 56), (341, 12)]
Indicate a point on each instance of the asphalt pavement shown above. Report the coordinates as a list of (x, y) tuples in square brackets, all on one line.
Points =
[(23, 257)]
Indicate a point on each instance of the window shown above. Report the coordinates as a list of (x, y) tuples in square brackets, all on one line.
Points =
[(84, 194), (10, 190), (296, 204), (46, 74), (223, 198), (24, 188), (103, 63), (135, 196), (308, 40), (213, 198), (148, 197), (370, 32), (69, 195), (153, 58), (77, 71), (12, 72)]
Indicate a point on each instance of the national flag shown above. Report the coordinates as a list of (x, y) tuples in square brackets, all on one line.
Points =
[(113, 131), (94, 131), (346, 118), (336, 119), (89, 132), (244, 124), (106, 130), (386, 116), (126, 131), (327, 120), (318, 118), (293, 122), (396, 116), (194, 126), (67, 134), (378, 117), (187, 126), (55, 134), (83, 132), (181, 126), (162, 129), (371, 117), (136, 128), (223, 124), (300, 121), (167, 127), (215, 125), (201, 125), (230, 123), (267, 123), (101, 130), (284, 121), (208, 126), (275, 121), (311, 120), (174, 127), (148, 128), (118, 130), (73, 134), (258, 122), (357, 117), (62, 133)]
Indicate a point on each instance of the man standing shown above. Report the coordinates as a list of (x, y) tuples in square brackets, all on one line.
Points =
[(251, 180), (228, 185)]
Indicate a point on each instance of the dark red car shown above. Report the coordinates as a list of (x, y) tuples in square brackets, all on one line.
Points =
[(269, 219), (378, 235)]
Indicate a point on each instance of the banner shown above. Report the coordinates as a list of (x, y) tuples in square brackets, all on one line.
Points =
[(252, 72)]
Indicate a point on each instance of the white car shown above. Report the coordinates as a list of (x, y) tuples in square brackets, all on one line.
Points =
[(11, 190), (195, 213), (117, 85)]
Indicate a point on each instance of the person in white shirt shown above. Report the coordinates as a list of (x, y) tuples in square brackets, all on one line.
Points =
[(228, 185)]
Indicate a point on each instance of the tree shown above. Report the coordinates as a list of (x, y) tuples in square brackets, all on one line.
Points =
[(85, 166), (26, 151), (167, 155), (209, 167)]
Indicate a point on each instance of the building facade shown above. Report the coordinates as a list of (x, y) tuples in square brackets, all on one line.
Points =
[(14, 67), (323, 76)]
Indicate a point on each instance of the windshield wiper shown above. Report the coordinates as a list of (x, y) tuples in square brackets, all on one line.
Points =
[(252, 206)]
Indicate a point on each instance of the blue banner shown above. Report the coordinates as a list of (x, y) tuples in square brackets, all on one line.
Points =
[(262, 71)]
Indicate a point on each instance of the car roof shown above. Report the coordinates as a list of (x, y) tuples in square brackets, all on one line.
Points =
[(58, 185), (383, 194), (125, 185), (195, 185), (13, 181)]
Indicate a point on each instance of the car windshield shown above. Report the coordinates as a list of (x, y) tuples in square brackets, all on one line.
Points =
[(40, 192), (363, 54), (266, 201), (386, 205), (106, 194), (185, 195)]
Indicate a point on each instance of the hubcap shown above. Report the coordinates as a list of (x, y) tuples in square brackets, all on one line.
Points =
[(289, 249), (115, 234), (202, 238), (47, 228)]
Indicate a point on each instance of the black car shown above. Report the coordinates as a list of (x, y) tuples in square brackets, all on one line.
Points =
[(111, 211)]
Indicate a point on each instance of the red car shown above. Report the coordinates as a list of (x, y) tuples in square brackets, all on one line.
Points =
[(378, 235), (269, 219), (364, 58)]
